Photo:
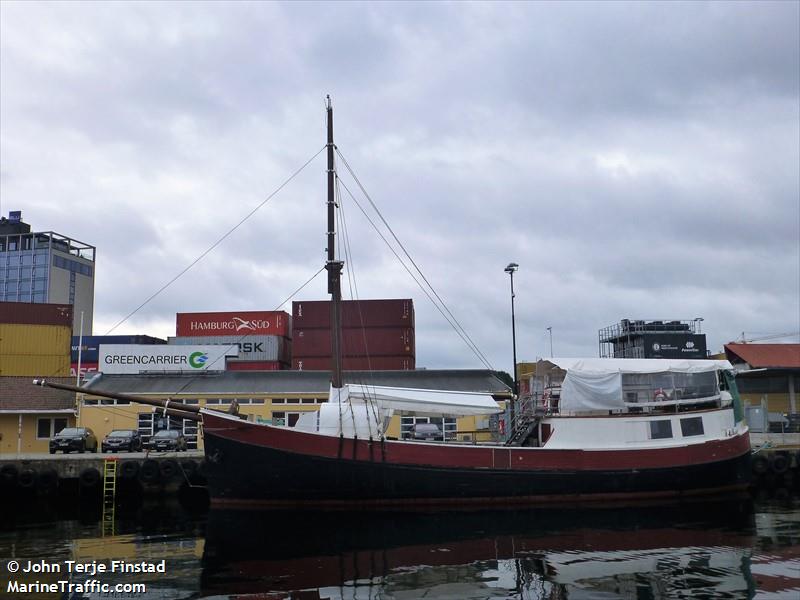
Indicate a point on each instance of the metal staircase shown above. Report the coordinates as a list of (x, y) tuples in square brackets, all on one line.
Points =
[(525, 422)]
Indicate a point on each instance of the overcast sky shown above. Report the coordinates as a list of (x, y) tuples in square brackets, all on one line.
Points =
[(638, 160)]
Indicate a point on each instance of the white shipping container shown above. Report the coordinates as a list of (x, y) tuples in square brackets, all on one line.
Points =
[(251, 347), (136, 358)]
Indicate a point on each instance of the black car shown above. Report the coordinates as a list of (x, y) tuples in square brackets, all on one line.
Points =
[(79, 439), (168, 439), (122, 439)]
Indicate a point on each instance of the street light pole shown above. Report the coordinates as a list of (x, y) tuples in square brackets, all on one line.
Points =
[(550, 329), (510, 270)]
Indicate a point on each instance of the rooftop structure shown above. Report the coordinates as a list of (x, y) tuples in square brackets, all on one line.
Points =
[(46, 267), (653, 339)]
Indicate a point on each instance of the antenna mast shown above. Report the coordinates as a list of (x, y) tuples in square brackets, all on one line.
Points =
[(333, 266)]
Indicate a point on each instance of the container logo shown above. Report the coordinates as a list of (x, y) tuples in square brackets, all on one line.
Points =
[(197, 360), (243, 324)]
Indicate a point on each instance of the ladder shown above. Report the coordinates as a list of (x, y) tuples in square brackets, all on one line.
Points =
[(109, 494)]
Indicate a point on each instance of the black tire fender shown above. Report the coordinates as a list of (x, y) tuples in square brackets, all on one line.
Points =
[(780, 463), (89, 478), (189, 466), (149, 471), (27, 478), (9, 474), (169, 468), (129, 469), (759, 465), (48, 480)]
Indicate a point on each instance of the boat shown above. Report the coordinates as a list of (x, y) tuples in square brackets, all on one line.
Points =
[(611, 429)]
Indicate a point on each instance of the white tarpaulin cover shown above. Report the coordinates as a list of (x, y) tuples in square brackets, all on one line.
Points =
[(444, 402), (596, 383), (366, 409)]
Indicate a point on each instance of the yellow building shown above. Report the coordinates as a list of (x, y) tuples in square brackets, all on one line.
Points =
[(278, 397), (34, 342), (30, 415), (768, 375)]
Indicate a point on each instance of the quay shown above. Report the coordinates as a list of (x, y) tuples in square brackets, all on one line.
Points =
[(134, 474)]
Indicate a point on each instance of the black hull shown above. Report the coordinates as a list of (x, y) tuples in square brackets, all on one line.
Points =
[(250, 475)]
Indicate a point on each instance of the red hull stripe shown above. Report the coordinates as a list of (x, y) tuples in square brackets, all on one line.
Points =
[(473, 457)]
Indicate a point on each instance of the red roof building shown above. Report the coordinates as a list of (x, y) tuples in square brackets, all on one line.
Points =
[(764, 356)]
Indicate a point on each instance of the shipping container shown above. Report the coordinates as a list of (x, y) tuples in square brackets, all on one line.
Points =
[(357, 363), (90, 344), (87, 369), (251, 347), (256, 365), (355, 313), (35, 340), (233, 323), (22, 313), (44, 365), (373, 341)]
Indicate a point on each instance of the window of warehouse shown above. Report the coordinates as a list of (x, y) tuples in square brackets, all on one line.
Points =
[(47, 428)]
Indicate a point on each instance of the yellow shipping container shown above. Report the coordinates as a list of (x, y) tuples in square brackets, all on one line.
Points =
[(34, 340), (34, 366)]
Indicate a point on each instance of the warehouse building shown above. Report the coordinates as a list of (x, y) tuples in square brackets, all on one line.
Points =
[(768, 376)]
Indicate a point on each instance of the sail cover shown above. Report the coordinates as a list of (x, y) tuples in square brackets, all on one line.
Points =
[(596, 383), (364, 410), (442, 402)]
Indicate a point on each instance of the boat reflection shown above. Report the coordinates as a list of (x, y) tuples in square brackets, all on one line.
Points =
[(675, 551)]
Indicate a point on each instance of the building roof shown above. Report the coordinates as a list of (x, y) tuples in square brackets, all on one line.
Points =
[(18, 394), (765, 356), (295, 382)]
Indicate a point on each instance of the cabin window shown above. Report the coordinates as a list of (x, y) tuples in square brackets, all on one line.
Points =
[(660, 430), (285, 419), (692, 426)]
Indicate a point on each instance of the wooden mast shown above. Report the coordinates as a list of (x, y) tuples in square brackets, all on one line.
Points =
[(333, 266)]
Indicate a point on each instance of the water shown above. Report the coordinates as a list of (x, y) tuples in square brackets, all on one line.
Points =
[(743, 548)]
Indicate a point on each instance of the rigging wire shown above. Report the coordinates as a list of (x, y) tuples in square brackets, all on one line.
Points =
[(370, 399), (218, 242), (440, 305), (471, 344)]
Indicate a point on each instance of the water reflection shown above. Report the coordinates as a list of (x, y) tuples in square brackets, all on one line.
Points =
[(677, 551)]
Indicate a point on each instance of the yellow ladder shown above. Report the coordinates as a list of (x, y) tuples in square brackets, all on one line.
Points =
[(109, 494)]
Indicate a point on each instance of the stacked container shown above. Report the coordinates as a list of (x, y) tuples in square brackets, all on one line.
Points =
[(376, 335), (262, 337), (35, 339), (89, 348)]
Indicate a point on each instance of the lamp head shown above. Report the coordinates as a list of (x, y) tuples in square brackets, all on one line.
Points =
[(511, 267)]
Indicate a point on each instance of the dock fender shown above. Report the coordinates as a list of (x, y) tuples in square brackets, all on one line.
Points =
[(129, 469), (48, 480), (27, 478), (149, 471), (759, 465), (168, 468), (89, 477), (8, 475), (780, 463), (188, 466)]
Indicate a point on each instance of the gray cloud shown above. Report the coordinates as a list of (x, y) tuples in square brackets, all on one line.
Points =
[(637, 160)]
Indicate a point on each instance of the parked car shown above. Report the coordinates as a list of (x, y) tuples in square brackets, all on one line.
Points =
[(122, 439), (168, 439), (79, 439), (426, 431)]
